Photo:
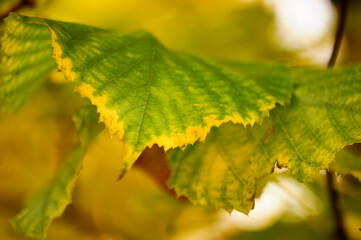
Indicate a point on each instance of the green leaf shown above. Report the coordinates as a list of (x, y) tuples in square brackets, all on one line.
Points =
[(25, 62), (50, 202), (273, 77), (147, 94), (86, 124), (223, 170), (324, 116)]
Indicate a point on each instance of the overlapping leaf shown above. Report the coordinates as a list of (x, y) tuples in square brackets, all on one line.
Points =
[(25, 62), (324, 116), (51, 201), (348, 162), (147, 94)]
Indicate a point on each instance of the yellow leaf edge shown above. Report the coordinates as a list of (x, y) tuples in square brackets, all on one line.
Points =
[(116, 128)]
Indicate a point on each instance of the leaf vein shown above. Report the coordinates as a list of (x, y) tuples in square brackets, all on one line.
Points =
[(149, 93)]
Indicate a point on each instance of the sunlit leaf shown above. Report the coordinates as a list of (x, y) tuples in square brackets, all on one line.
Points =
[(50, 202), (324, 116), (147, 94)]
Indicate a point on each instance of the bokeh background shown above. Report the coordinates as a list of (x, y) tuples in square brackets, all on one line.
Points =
[(35, 141)]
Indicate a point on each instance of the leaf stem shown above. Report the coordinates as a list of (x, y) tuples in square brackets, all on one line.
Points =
[(335, 200)]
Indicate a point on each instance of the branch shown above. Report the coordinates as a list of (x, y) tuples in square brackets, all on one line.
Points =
[(339, 33), (335, 201)]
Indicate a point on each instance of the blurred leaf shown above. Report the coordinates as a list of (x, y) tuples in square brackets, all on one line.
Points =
[(134, 208), (232, 37), (163, 97), (219, 29), (50, 202), (283, 230), (24, 170), (44, 133), (323, 118), (348, 162), (86, 124), (24, 48)]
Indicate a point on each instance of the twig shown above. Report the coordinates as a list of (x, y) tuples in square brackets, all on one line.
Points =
[(339, 32), (335, 201)]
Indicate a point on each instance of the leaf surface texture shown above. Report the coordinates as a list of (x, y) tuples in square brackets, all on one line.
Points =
[(324, 116), (147, 94), (25, 62)]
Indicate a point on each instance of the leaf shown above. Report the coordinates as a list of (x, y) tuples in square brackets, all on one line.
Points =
[(348, 162), (136, 207), (86, 124), (216, 172), (324, 116), (25, 62), (273, 77), (50, 202), (147, 94)]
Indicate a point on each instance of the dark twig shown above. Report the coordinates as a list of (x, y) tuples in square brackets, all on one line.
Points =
[(18, 6), (339, 33), (335, 201)]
